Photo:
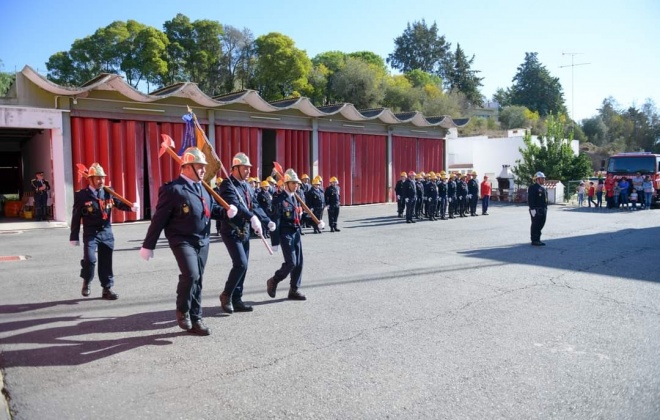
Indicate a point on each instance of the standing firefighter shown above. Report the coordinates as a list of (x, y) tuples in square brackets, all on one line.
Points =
[(332, 198), (40, 187), (92, 206), (400, 199), (286, 212), (235, 232), (537, 199), (316, 200), (410, 196), (185, 211)]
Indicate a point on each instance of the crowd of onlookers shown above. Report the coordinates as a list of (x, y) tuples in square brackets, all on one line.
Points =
[(625, 193)]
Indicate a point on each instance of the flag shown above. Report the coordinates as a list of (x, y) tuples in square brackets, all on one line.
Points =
[(198, 138)]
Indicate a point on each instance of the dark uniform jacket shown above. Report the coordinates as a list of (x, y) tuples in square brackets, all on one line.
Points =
[(286, 211), (442, 189), (239, 193), (184, 214), (409, 189), (473, 187), (332, 196), (461, 189), (419, 190), (36, 184), (94, 214), (451, 189), (315, 199), (537, 197), (398, 188), (431, 191), (265, 200)]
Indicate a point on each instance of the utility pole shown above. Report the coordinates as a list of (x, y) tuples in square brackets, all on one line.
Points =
[(572, 66)]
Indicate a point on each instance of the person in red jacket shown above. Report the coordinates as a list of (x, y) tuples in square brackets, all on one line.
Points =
[(485, 195), (609, 188)]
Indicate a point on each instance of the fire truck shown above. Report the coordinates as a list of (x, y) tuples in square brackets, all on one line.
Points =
[(628, 164)]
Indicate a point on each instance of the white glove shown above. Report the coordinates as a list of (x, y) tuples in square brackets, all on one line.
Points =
[(146, 254), (406, 200), (449, 200), (232, 211), (74, 243), (135, 208), (321, 225), (271, 226), (398, 197), (275, 248), (469, 196), (532, 212), (256, 225)]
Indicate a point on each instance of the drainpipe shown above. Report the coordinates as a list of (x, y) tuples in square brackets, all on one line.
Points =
[(388, 190), (315, 148)]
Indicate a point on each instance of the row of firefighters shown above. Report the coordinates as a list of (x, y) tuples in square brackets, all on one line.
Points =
[(439, 196), (313, 194)]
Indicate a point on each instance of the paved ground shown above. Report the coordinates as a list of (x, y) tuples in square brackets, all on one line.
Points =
[(447, 319)]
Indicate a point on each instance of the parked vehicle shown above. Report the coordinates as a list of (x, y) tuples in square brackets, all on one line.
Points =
[(628, 164)]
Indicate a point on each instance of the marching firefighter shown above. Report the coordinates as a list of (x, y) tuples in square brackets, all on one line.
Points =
[(332, 197)]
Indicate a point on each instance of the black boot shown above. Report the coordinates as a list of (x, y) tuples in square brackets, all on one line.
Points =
[(225, 303)]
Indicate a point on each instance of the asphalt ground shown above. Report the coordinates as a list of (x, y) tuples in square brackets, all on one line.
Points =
[(458, 319)]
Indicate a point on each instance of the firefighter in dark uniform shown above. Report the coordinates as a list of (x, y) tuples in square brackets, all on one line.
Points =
[(41, 188), (461, 195), (332, 197), (93, 207), (184, 211), (315, 200), (419, 191), (286, 212), (473, 193), (265, 200), (431, 194), (410, 196), (218, 181), (442, 195), (537, 199), (398, 190), (451, 196), (235, 232), (305, 220)]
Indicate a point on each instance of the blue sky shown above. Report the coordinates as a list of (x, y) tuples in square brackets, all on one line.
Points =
[(620, 41)]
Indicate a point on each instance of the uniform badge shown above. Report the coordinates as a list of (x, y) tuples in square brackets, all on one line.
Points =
[(185, 209), (287, 214)]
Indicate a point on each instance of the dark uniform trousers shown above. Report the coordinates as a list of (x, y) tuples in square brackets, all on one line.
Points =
[(104, 243), (235, 233), (333, 215), (191, 261), (538, 221)]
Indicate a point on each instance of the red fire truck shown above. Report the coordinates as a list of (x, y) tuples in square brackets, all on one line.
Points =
[(628, 164)]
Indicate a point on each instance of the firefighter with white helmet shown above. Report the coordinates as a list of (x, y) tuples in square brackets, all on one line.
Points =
[(235, 232), (537, 199), (184, 211), (92, 207), (286, 212)]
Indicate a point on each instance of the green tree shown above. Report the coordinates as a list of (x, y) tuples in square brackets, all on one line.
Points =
[(420, 78), (359, 83), (237, 47), (281, 68), (463, 79), (143, 53), (327, 64), (552, 155), (420, 47), (534, 88), (595, 130), (401, 95), (6, 80), (517, 117)]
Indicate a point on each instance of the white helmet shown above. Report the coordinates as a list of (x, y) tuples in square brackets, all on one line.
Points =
[(539, 175)]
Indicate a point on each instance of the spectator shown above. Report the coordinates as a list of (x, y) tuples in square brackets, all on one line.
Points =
[(624, 185), (590, 194), (647, 187), (636, 183), (580, 193), (633, 199), (599, 193), (609, 185)]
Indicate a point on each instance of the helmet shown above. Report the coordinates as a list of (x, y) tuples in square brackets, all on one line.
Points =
[(431, 174), (271, 180), (291, 176), (240, 159), (265, 184), (193, 155), (411, 173), (422, 174), (95, 170), (419, 175), (334, 179), (317, 180), (404, 173), (218, 180), (443, 173), (474, 173), (539, 174), (433, 177), (304, 176)]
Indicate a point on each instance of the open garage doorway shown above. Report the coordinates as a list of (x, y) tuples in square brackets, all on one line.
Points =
[(268, 153)]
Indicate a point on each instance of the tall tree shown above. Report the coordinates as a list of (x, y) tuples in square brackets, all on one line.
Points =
[(359, 83), (595, 130), (420, 47), (142, 54), (237, 51), (462, 78), (327, 63), (281, 68), (553, 156), (534, 88)]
